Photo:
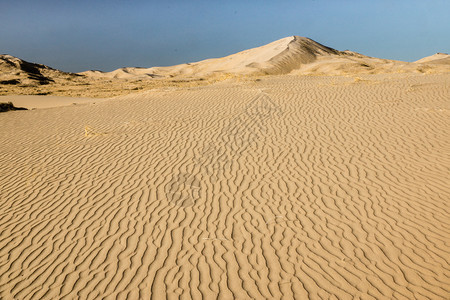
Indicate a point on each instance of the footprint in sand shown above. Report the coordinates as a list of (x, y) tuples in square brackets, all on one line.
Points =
[(183, 189)]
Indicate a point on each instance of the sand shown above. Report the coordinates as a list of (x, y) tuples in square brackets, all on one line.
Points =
[(438, 58), (286, 187), (36, 101)]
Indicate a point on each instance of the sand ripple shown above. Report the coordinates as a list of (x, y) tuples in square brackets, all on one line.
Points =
[(293, 187)]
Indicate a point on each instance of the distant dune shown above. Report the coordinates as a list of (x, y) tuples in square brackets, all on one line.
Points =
[(279, 57), (295, 54), (15, 71), (438, 58)]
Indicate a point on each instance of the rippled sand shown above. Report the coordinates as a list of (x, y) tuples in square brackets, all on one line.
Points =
[(287, 187)]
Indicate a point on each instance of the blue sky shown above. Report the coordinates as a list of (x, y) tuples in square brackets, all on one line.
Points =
[(105, 35)]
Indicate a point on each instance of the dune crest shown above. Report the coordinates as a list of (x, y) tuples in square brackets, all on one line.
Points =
[(296, 55)]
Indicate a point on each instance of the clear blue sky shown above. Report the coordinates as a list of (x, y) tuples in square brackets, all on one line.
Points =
[(79, 35)]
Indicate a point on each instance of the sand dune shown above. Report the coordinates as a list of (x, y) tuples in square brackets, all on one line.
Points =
[(15, 71), (347, 65), (279, 57), (438, 58), (289, 187), (233, 178), (295, 54)]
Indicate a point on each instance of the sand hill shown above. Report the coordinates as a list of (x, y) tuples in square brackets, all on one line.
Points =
[(279, 57), (15, 71), (438, 58), (295, 54)]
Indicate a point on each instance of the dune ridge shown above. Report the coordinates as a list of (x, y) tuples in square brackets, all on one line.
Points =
[(284, 188), (294, 55)]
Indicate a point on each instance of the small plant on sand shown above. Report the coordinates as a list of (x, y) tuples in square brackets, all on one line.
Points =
[(89, 131)]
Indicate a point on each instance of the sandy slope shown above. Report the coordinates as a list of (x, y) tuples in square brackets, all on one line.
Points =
[(360, 64), (288, 187), (438, 58)]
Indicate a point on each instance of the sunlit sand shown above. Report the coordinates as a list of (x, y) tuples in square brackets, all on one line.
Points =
[(233, 184)]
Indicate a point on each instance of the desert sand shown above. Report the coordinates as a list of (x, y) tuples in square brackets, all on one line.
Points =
[(287, 186), (39, 101)]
